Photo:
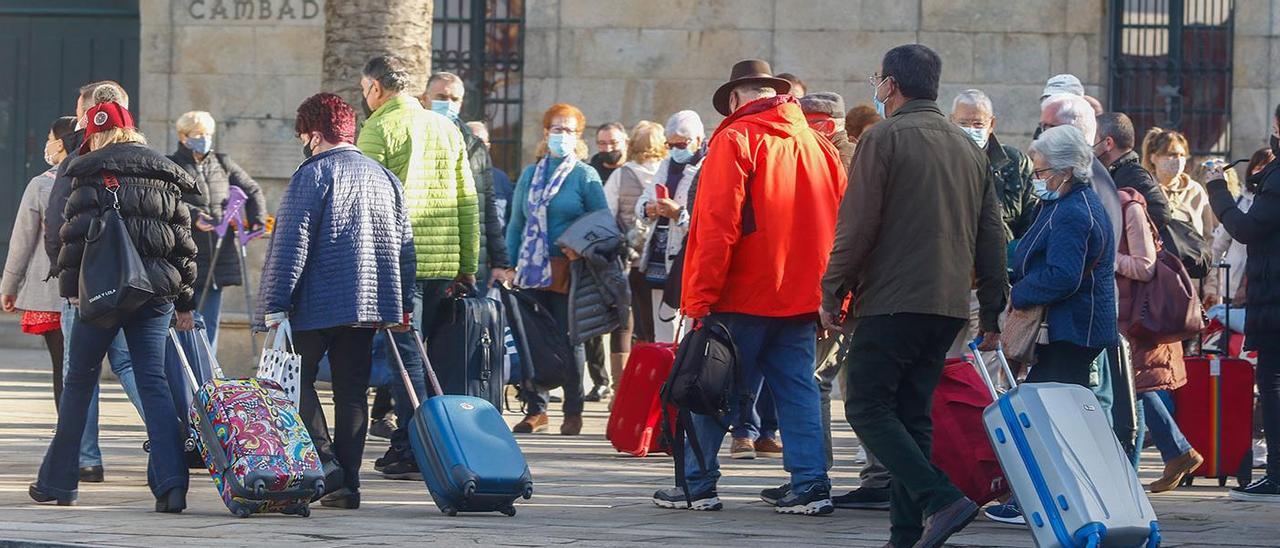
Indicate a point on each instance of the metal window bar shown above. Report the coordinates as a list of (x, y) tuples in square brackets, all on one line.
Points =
[(482, 41), (1171, 66)]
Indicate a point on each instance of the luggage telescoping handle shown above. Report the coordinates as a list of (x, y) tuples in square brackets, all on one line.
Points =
[(215, 370), (404, 373), (981, 364)]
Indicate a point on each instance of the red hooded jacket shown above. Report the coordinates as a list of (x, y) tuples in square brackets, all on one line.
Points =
[(765, 215)]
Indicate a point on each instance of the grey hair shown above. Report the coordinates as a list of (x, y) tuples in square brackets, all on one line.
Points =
[(446, 77), (756, 90), (1075, 111), (1064, 147), (974, 98)]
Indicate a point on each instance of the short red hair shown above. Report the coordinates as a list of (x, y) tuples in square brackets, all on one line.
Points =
[(566, 110), (328, 115)]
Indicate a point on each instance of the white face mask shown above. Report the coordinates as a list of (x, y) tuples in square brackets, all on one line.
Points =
[(1172, 166), (979, 135)]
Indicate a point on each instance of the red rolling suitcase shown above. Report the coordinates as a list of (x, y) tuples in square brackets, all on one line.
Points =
[(637, 408), (1214, 410), (961, 448)]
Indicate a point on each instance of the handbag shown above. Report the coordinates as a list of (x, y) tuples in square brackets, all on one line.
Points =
[(1022, 331), (113, 279), (1188, 245), (280, 363), (1165, 309)]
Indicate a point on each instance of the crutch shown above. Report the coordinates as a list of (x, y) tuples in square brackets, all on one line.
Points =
[(231, 209)]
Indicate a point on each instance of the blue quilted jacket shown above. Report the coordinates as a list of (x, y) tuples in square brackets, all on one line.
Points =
[(342, 251)]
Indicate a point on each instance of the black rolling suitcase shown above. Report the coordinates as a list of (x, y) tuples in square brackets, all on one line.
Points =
[(466, 342)]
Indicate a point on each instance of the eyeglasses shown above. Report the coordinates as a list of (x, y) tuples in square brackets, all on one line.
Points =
[(561, 129), (1039, 171), (680, 146), (876, 79)]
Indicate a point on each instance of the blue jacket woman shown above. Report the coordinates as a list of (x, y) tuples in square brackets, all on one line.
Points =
[(1066, 261)]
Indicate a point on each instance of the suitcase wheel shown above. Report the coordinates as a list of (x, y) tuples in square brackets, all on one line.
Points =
[(509, 511), (146, 446), (449, 511), (318, 489), (189, 445), (470, 490), (259, 488), (303, 511), (1188, 481), (528, 492), (242, 512)]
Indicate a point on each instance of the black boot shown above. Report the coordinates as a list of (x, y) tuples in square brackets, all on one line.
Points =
[(172, 502), (92, 474), (39, 495)]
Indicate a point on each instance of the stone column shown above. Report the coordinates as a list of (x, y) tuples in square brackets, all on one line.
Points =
[(356, 30)]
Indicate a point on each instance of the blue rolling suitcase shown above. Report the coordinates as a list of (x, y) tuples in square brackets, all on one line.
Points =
[(468, 456)]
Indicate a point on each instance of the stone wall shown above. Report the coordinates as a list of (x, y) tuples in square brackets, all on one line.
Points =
[(1256, 79), (626, 60)]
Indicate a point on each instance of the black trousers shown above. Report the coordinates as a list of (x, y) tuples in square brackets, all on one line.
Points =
[(1268, 378), (350, 358), (597, 361), (1063, 362), (893, 365), (641, 306)]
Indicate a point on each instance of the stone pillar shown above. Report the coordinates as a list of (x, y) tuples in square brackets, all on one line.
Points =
[(356, 30)]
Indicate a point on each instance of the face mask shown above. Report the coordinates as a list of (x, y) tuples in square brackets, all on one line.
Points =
[(364, 103), (875, 98), (200, 145), (1172, 166), (1275, 145), (561, 144), (1041, 189), (682, 155), (307, 151), (979, 135), (612, 157), (448, 109), (49, 157)]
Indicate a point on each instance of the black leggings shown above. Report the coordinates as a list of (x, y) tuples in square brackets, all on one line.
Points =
[(350, 357), (53, 340), (1063, 362)]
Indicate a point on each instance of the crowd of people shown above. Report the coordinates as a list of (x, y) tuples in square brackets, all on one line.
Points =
[(866, 245)]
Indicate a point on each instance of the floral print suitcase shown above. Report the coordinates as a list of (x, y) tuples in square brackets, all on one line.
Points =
[(256, 447)]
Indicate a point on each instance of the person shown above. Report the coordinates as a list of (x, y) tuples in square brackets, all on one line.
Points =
[(859, 119), (920, 220), (825, 113), (1157, 367), (611, 149), (445, 93), (1115, 150), (341, 264), (1259, 230), (1164, 154), (798, 87), (1063, 84), (760, 230), (502, 186), (1010, 170), (646, 149), (1066, 262), (91, 469), (550, 195), (215, 173), (23, 288), (428, 155), (1225, 248), (116, 169)]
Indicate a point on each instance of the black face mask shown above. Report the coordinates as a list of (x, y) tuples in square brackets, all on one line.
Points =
[(612, 157), (1036, 135), (1275, 146), (307, 151)]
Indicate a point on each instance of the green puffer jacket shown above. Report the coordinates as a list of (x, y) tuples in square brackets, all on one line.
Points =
[(426, 151)]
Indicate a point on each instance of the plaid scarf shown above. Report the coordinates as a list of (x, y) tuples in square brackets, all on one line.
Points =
[(533, 270)]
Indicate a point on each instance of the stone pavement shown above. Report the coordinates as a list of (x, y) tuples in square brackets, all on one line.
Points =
[(585, 495)]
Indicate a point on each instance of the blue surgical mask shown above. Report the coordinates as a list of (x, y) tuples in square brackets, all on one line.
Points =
[(448, 109), (875, 98), (979, 135), (200, 145), (561, 145), (682, 155), (1041, 189)]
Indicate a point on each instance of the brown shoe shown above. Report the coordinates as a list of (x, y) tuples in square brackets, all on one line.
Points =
[(531, 424), (1175, 469), (571, 426), (768, 448), (742, 448)]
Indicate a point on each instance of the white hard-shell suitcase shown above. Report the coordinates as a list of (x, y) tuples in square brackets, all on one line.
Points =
[(1067, 471)]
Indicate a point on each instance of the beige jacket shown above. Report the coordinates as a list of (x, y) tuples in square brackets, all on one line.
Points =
[(27, 263), (1189, 202)]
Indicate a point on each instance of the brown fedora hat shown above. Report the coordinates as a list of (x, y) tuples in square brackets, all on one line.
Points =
[(746, 72)]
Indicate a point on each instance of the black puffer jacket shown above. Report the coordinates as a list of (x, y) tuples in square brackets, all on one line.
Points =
[(214, 178), (1259, 229), (493, 241), (53, 219), (150, 186), (599, 295)]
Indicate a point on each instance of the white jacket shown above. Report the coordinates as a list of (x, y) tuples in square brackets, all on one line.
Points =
[(678, 229)]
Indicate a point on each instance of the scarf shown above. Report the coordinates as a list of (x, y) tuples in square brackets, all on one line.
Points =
[(533, 269)]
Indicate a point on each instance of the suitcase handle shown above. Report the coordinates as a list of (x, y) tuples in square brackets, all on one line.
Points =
[(186, 365), (404, 373), (981, 364)]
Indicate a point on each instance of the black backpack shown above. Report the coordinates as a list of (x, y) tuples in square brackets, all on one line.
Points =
[(704, 380), (546, 357)]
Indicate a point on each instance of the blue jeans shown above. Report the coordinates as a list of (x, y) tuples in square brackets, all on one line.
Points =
[(212, 312), (146, 331), (757, 417), (781, 353), (121, 365), (1106, 396), (1154, 416)]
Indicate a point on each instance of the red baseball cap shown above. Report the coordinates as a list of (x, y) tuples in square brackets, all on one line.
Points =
[(103, 117)]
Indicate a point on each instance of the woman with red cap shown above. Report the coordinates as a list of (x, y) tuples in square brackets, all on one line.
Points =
[(116, 169)]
